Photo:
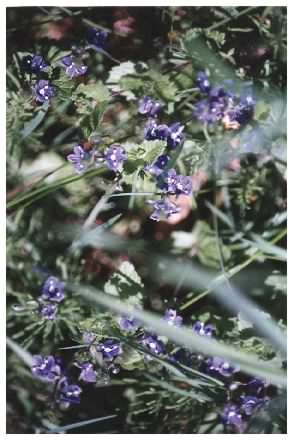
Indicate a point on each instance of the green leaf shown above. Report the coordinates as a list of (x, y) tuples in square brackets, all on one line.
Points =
[(131, 83), (261, 110), (118, 72), (165, 88), (35, 121), (98, 91), (206, 245), (126, 284), (64, 84), (131, 359)]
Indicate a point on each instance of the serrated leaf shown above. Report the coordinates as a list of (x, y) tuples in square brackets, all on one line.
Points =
[(131, 83), (131, 359), (152, 150), (98, 91), (64, 84), (126, 284), (118, 72), (165, 88)]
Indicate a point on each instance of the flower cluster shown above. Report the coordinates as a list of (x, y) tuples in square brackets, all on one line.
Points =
[(168, 181), (173, 134), (243, 399), (43, 89), (112, 157), (49, 369), (220, 104), (52, 295)]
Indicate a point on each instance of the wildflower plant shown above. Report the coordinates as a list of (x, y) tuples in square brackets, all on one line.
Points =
[(144, 172)]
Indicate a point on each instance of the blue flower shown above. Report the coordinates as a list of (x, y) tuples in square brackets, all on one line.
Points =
[(96, 38), (157, 167), (175, 136), (34, 64), (88, 374), (203, 82), (43, 91), (174, 183), (73, 69), (203, 329), (153, 131), (79, 158), (68, 393), (148, 106), (128, 323), (152, 343), (110, 349), (49, 311), (209, 111), (46, 368), (114, 156), (220, 366), (256, 386), (250, 404), (172, 318), (243, 109), (53, 290), (231, 416), (163, 208)]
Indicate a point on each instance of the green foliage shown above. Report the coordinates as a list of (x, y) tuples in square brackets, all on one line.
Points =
[(221, 260)]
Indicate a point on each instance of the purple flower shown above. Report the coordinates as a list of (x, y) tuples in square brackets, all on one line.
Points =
[(156, 168), (34, 64), (153, 344), (202, 82), (46, 368), (184, 185), (43, 91), (169, 181), (78, 157), (53, 290), (172, 318), (96, 38), (209, 111), (163, 209), (147, 106), (68, 393), (256, 386), (231, 416), (174, 183), (115, 155), (243, 111), (110, 349), (49, 311), (175, 136), (153, 131), (249, 404), (217, 93), (88, 374), (72, 69), (203, 329), (220, 366), (128, 323)]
